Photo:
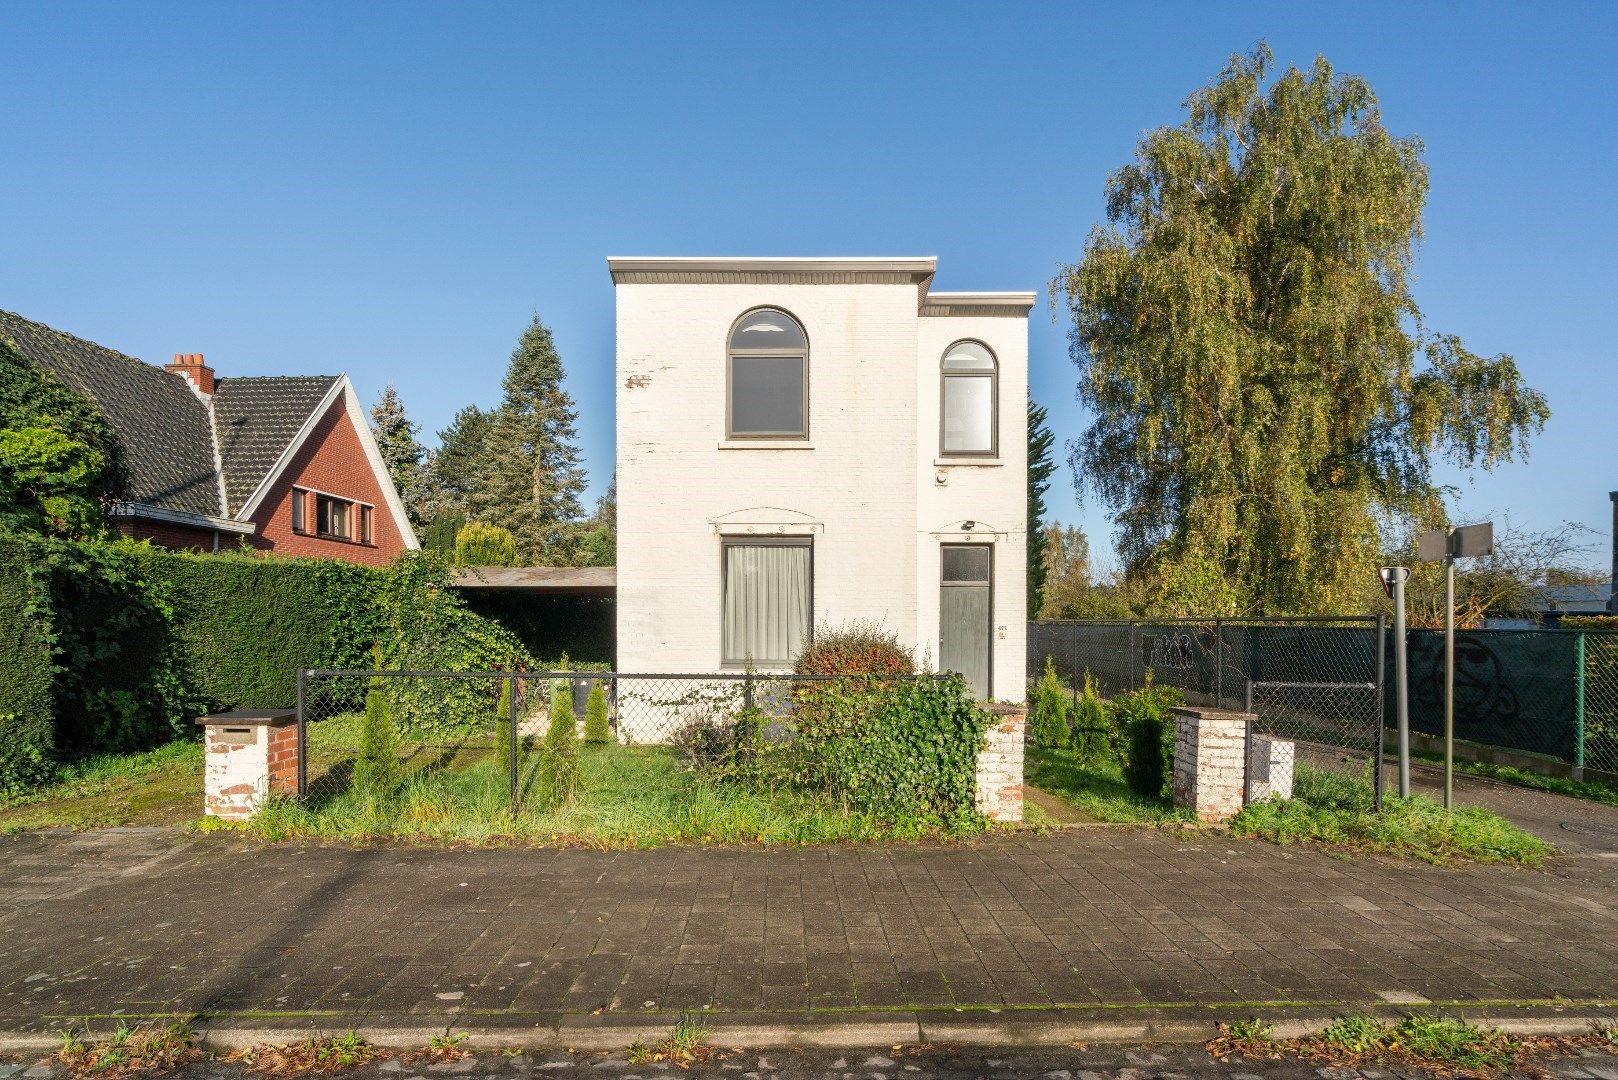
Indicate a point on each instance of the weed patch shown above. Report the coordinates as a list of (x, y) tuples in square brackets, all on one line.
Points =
[(326, 1054), (1095, 788), (1438, 1045), (147, 1049), (686, 1046), (1334, 811)]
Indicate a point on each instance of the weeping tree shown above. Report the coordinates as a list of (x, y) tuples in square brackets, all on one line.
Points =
[(1266, 391)]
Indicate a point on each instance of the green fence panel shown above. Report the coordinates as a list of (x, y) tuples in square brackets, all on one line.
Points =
[(1516, 689)]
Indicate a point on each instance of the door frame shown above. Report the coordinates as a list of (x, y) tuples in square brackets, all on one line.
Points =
[(988, 636)]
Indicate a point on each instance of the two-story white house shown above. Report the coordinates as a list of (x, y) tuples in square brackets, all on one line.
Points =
[(807, 442)]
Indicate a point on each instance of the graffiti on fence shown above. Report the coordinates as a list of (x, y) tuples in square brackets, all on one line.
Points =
[(1172, 652)]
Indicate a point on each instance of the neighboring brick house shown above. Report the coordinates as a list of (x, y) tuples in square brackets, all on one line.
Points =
[(282, 463)]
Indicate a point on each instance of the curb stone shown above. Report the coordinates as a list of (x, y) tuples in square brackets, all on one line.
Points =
[(851, 1030)]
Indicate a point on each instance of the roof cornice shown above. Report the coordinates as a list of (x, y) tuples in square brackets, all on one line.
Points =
[(643, 269), (978, 303)]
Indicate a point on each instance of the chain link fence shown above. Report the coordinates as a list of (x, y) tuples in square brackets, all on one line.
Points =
[(474, 742), (1599, 701), (1316, 681)]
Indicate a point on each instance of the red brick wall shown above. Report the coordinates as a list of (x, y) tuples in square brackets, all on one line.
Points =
[(332, 460), (282, 753), (169, 535)]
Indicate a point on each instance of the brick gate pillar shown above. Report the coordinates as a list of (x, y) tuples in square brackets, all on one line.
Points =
[(1210, 762), (248, 755)]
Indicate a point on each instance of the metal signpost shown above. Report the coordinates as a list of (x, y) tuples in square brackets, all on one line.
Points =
[(1393, 581), (1467, 542)]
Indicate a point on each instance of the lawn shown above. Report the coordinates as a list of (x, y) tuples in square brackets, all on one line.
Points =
[(1098, 791), (151, 787), (628, 796)]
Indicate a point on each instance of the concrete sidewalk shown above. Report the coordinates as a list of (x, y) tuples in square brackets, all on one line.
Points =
[(1088, 920)]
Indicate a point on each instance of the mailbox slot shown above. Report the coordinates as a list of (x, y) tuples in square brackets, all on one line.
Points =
[(237, 736)]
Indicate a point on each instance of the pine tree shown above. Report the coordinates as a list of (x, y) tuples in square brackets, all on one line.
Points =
[(534, 477), (404, 456), (460, 468), (598, 537)]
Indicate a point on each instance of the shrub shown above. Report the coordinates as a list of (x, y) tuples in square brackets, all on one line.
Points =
[(858, 648), (478, 544), (559, 765), (902, 751), (376, 770), (597, 730), (1087, 730), (26, 729), (1050, 709), (502, 722), (1143, 736)]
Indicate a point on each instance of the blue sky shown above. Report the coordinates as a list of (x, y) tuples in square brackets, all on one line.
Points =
[(392, 190)]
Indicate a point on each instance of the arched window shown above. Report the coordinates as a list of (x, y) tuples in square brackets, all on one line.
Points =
[(768, 380), (970, 400)]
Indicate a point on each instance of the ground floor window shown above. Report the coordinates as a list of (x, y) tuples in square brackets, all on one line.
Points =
[(768, 599)]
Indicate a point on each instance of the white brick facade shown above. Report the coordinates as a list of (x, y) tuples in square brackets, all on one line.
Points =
[(1210, 762), (867, 486)]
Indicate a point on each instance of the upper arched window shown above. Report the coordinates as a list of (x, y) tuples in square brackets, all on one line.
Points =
[(768, 378), (970, 400)]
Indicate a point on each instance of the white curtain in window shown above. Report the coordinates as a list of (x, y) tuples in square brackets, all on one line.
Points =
[(766, 602)]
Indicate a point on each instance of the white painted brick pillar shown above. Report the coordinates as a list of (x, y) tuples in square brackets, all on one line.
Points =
[(1269, 767), (1210, 762), (999, 775), (248, 755)]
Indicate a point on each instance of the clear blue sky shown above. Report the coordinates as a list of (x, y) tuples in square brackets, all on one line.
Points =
[(391, 190)]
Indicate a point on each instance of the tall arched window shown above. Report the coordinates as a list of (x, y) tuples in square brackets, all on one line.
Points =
[(970, 400), (769, 377)]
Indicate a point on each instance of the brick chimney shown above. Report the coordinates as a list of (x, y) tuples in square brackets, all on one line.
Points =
[(191, 366)]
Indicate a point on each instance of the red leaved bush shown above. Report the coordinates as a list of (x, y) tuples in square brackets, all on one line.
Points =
[(857, 648)]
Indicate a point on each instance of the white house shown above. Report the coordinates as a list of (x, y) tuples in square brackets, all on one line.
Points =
[(807, 442)]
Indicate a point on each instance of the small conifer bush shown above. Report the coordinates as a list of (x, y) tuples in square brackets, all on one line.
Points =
[(502, 722), (597, 731), (376, 771), (1050, 709), (559, 767)]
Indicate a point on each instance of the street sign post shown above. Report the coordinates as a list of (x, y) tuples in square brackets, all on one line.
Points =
[(1393, 582), (1467, 542)]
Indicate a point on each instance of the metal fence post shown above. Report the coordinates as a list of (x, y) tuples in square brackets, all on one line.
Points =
[(1219, 663), (1247, 698), (303, 740), (511, 725), (1578, 706), (747, 691), (1132, 654), (1381, 706), (1076, 637)]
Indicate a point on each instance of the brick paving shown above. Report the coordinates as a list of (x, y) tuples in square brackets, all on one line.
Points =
[(144, 922)]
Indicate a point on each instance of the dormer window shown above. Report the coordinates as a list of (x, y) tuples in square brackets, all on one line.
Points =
[(768, 380), (970, 400)]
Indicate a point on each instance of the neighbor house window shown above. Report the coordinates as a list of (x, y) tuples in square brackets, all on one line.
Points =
[(299, 496), (768, 600), (365, 524), (768, 378), (969, 400), (332, 516)]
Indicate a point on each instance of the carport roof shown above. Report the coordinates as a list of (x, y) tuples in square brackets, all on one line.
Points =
[(557, 580)]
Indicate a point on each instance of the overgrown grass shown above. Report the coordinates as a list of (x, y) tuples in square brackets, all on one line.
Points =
[(629, 796), (1593, 790), (150, 787), (1334, 810), (1095, 788), (129, 1051)]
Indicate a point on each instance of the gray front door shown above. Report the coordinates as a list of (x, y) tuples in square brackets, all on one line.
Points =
[(966, 608)]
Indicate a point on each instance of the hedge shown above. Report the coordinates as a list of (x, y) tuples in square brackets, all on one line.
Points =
[(110, 646), (246, 623), (25, 675)]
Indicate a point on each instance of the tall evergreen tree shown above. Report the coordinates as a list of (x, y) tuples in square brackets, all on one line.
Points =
[(534, 478), (1265, 389), (598, 537), (1040, 467), (404, 456), (461, 465)]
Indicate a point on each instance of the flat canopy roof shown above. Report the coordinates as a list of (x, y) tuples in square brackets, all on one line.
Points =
[(556, 580)]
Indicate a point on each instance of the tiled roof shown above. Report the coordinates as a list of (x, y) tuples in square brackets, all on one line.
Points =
[(161, 422), (255, 420), (164, 425)]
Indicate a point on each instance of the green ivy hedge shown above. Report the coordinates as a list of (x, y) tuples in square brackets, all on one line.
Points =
[(25, 674), (901, 750), (109, 646), (246, 623)]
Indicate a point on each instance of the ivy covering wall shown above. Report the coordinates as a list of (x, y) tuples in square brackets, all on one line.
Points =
[(111, 646)]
